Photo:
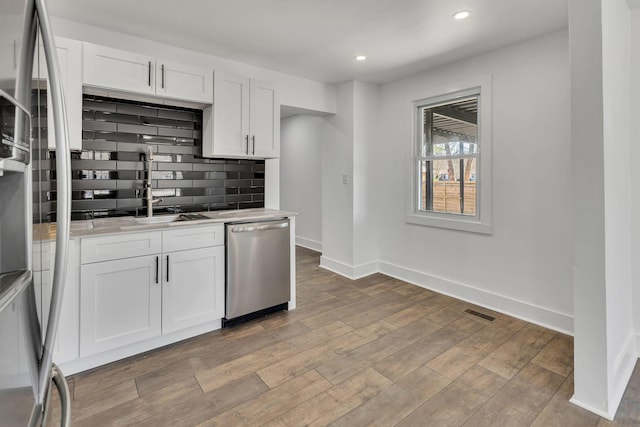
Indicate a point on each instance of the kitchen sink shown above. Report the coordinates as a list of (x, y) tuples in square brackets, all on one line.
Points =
[(166, 219), (163, 219)]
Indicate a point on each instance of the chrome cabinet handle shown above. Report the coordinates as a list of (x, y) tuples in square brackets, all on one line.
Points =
[(246, 138), (149, 81), (167, 268), (157, 268), (253, 149), (162, 76)]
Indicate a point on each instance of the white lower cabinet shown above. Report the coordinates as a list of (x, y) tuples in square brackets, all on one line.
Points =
[(188, 295), (66, 342), (119, 304), (129, 300)]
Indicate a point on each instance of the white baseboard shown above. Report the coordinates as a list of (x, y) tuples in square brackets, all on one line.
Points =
[(560, 322), (550, 319), (366, 269), (309, 244), (597, 411), (623, 366), (352, 272)]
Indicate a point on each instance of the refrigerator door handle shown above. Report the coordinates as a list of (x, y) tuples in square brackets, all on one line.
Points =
[(65, 401), (65, 396), (63, 195)]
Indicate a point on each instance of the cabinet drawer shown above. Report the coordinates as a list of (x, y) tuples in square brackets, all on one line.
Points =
[(200, 236), (96, 249)]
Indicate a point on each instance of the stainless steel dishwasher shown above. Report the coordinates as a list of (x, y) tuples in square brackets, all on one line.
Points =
[(258, 269)]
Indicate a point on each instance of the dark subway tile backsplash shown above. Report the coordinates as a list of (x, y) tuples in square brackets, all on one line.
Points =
[(109, 174)]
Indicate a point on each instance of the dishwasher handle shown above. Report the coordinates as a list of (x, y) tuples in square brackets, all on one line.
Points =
[(245, 228)]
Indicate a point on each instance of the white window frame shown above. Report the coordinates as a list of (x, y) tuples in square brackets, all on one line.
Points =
[(481, 222)]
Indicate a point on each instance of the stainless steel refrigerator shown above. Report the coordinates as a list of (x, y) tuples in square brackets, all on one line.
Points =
[(29, 305)]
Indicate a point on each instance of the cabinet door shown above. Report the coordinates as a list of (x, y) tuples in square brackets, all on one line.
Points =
[(193, 289), (230, 117), (119, 303), (265, 120), (180, 81), (118, 69), (70, 61)]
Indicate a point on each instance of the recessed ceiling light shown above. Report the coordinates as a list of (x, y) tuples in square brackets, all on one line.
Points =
[(462, 14), (360, 57)]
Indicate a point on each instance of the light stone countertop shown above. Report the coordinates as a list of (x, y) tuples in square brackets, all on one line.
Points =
[(98, 227)]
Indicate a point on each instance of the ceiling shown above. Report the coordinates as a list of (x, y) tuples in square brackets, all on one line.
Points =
[(318, 39)]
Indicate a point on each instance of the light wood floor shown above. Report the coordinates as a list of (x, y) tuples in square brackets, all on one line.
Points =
[(375, 351)]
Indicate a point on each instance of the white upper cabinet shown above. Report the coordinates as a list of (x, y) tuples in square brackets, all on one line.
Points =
[(246, 119), (70, 61), (264, 119), (109, 68), (118, 69), (230, 117), (180, 81)]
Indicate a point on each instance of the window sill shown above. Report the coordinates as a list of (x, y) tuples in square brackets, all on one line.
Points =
[(472, 225)]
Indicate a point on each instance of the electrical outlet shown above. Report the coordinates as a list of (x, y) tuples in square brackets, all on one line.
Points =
[(345, 179)]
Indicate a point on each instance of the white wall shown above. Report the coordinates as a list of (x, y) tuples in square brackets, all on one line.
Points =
[(605, 347), (365, 218), (524, 267), (616, 85), (349, 220), (635, 176), (590, 350), (300, 175), (337, 200)]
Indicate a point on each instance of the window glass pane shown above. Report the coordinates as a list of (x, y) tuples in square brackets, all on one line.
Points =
[(441, 189), (469, 187), (449, 129)]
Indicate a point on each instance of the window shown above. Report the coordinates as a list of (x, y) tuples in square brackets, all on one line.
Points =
[(448, 151), (451, 163)]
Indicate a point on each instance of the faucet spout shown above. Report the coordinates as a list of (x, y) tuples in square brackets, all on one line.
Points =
[(149, 193)]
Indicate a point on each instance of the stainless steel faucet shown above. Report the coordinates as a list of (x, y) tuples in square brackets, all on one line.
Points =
[(149, 194)]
